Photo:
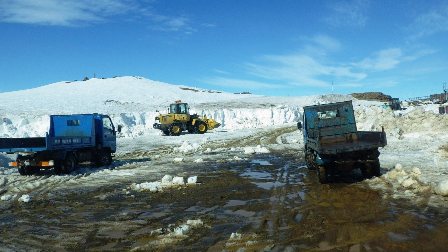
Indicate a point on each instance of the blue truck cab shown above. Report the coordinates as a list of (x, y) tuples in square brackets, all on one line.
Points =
[(71, 139)]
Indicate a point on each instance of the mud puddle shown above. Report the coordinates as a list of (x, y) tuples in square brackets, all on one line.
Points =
[(263, 202)]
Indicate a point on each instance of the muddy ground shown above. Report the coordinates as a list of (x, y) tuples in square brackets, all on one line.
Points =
[(259, 202)]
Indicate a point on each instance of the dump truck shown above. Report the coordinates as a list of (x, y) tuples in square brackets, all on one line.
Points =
[(333, 144), (71, 139), (179, 119)]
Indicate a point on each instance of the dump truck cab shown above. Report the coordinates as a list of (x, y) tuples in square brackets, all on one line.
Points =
[(333, 143)]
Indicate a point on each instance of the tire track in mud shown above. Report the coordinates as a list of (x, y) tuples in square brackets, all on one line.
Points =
[(265, 137)]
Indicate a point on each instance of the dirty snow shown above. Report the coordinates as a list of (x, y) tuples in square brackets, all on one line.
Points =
[(167, 181), (25, 198)]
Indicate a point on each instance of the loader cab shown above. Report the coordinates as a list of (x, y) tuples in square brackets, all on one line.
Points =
[(179, 108)]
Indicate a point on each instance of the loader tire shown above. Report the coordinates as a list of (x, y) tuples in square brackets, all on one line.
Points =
[(175, 130), (201, 128)]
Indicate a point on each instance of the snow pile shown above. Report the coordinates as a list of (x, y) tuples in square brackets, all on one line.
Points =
[(192, 180), (166, 182), (147, 186), (25, 198), (235, 236), (6, 197), (187, 147), (412, 122), (255, 150), (399, 180), (238, 242), (199, 160), (441, 188), (171, 234)]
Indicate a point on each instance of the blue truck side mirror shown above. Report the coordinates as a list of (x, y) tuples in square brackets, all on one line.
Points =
[(119, 128), (299, 125)]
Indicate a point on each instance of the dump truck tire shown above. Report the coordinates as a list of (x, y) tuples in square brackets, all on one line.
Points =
[(309, 159), (371, 169), (70, 164), (322, 174)]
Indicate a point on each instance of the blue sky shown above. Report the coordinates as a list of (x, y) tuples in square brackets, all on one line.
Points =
[(287, 47)]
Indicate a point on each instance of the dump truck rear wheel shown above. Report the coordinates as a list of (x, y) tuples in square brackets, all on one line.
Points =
[(175, 130), (371, 169), (309, 158), (70, 164), (322, 173), (201, 128)]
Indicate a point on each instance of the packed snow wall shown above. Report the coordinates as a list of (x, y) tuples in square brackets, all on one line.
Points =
[(368, 117), (136, 123)]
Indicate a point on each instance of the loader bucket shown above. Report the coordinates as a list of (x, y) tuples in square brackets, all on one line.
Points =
[(211, 124)]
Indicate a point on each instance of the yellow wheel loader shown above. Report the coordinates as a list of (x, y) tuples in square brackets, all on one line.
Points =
[(179, 119)]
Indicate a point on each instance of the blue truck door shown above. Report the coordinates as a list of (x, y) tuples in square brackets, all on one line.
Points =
[(109, 138)]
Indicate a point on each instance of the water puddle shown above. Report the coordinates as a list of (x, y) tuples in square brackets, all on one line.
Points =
[(269, 185), (233, 203), (260, 162), (257, 174)]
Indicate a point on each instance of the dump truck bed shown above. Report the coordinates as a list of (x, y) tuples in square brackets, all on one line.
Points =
[(355, 141), (67, 132), (31, 144)]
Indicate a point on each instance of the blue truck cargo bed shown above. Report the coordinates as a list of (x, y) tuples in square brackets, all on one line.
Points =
[(71, 139), (66, 132)]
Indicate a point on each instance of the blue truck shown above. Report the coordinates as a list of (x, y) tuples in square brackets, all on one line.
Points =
[(72, 139), (333, 143)]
